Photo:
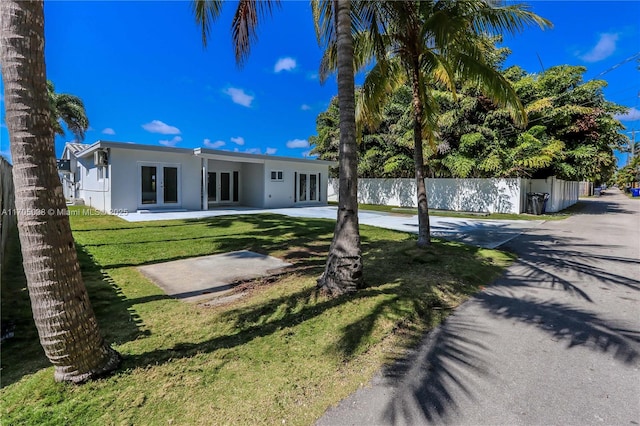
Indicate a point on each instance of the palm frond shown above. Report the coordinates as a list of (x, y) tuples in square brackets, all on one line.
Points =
[(206, 12), (245, 23)]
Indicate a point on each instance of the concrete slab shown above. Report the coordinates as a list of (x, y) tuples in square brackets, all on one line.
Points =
[(201, 278), (479, 232)]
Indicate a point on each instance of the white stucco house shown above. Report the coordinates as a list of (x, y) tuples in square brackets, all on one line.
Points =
[(112, 176)]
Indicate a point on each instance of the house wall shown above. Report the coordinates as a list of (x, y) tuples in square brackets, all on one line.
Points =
[(281, 193), (252, 184), (95, 192), (125, 179)]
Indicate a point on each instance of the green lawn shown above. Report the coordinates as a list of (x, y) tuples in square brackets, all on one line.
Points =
[(467, 215), (282, 353)]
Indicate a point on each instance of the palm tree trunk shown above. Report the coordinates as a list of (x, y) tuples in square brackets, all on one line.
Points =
[(343, 271), (424, 231), (62, 312)]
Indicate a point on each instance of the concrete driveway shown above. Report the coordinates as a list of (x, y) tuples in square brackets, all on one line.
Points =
[(478, 232)]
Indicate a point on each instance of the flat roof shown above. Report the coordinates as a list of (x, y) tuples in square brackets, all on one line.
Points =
[(200, 152)]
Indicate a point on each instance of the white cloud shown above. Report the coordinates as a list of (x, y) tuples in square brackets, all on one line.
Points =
[(108, 131), (632, 115), (312, 76), (270, 151), (157, 126), (307, 154), (239, 97), (252, 151), (305, 107), (171, 142), (285, 64), (298, 143), (213, 145), (605, 47), (238, 141)]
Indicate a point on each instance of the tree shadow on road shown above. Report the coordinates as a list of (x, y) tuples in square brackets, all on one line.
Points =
[(430, 386)]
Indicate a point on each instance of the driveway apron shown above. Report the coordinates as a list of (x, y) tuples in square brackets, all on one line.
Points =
[(555, 341)]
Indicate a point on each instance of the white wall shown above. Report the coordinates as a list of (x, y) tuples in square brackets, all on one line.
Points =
[(472, 195), (281, 193), (252, 185), (95, 192), (125, 179)]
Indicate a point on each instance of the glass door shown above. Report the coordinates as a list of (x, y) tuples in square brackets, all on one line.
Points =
[(149, 178), (159, 185), (308, 187), (170, 185), (223, 187)]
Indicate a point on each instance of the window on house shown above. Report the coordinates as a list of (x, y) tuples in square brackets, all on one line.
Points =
[(277, 175), (103, 172)]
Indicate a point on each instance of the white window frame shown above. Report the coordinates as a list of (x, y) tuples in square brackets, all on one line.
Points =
[(279, 173)]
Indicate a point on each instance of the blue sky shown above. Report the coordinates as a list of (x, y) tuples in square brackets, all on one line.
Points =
[(144, 76)]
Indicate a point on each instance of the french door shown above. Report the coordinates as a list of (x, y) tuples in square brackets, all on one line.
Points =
[(223, 187), (159, 185), (307, 187)]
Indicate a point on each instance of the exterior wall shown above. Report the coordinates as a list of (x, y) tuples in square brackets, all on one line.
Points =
[(472, 195), (121, 189), (95, 192), (125, 177), (282, 193), (252, 185)]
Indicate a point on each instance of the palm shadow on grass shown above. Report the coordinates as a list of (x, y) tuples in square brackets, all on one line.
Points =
[(269, 233), (406, 300), (23, 355)]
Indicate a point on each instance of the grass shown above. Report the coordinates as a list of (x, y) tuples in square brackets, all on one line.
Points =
[(281, 354), (467, 215)]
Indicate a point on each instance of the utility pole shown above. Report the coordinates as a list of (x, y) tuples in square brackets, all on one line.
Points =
[(633, 147)]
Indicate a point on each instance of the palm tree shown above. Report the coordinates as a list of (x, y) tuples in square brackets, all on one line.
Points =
[(62, 312), (343, 271), (428, 42), (68, 109)]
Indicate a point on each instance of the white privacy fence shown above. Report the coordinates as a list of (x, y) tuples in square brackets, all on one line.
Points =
[(469, 195)]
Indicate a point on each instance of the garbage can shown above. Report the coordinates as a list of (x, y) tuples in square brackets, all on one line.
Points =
[(635, 192), (534, 203), (545, 198)]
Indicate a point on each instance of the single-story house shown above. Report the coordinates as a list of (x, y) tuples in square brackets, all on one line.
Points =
[(115, 176)]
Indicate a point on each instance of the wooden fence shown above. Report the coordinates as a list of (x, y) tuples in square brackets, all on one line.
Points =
[(7, 208)]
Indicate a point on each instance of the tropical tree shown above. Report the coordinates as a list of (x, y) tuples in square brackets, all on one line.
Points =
[(67, 109), (429, 42), (343, 271), (385, 152), (62, 312)]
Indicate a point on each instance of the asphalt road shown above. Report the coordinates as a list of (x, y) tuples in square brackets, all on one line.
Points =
[(555, 341)]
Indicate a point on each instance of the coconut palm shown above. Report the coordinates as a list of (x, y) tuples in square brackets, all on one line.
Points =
[(343, 271), (426, 42), (62, 312), (67, 109)]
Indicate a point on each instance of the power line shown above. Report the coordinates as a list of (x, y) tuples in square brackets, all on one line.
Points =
[(619, 64)]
